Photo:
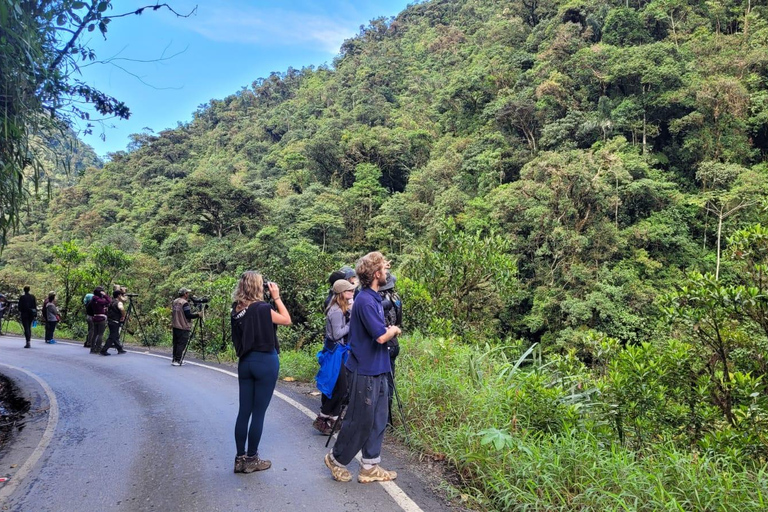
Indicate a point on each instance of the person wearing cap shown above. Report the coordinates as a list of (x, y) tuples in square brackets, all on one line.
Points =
[(346, 273), (368, 367), (115, 317), (52, 316), (98, 307), (181, 320), (331, 380)]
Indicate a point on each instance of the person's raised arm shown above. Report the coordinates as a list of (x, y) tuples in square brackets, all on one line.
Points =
[(281, 316)]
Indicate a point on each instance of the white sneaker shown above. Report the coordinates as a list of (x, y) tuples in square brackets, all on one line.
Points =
[(175, 363)]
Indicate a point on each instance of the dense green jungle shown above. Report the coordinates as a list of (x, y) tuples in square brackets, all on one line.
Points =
[(574, 197)]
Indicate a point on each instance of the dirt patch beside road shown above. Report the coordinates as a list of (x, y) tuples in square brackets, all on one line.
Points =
[(12, 410)]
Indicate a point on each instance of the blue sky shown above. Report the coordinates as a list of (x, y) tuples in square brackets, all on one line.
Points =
[(164, 67)]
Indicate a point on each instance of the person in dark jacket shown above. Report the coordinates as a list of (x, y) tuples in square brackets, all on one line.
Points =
[(393, 315), (115, 318), (27, 313), (99, 304), (181, 314), (254, 336)]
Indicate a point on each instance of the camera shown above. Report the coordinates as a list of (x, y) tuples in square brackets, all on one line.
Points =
[(200, 302), (267, 294)]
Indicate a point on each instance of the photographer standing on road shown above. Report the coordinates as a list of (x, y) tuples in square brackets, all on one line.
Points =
[(52, 317), (181, 316), (99, 305), (254, 335), (368, 368), (27, 313), (115, 319)]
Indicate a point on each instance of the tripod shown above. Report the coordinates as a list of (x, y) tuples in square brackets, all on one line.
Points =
[(198, 326), (132, 310)]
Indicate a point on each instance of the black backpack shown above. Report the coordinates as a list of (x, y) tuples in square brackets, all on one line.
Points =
[(89, 308)]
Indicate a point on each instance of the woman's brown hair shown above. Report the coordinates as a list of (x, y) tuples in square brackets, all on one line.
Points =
[(249, 289)]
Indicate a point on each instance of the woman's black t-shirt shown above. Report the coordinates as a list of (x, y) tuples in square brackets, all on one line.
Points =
[(253, 330)]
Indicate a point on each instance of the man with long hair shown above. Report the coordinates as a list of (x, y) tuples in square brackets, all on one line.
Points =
[(367, 368)]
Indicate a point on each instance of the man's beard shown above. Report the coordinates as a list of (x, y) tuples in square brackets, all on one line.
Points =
[(383, 280)]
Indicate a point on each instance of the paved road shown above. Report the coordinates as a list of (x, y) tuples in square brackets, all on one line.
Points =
[(131, 432)]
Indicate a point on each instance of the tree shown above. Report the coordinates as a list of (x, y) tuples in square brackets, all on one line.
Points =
[(67, 258), (731, 188), (41, 50)]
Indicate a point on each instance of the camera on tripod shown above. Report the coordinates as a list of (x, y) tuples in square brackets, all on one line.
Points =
[(201, 302)]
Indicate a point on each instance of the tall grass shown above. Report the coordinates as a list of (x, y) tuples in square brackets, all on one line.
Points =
[(522, 437)]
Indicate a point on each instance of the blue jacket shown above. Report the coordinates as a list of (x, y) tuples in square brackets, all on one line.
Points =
[(330, 365)]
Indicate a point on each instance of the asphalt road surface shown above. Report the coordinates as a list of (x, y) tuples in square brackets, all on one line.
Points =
[(131, 432)]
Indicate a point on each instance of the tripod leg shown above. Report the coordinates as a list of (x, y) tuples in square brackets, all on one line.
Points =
[(138, 322), (336, 423), (121, 336), (402, 413)]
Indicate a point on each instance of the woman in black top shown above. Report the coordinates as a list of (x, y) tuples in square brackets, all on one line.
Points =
[(253, 334)]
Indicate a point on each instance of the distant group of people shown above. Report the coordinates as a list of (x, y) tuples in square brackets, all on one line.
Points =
[(356, 365), (102, 313)]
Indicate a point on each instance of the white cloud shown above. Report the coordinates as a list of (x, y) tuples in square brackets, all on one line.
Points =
[(230, 23)]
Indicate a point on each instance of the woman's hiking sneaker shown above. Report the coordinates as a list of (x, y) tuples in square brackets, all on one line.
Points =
[(254, 463), (339, 473), (375, 474), (240, 464), (323, 425)]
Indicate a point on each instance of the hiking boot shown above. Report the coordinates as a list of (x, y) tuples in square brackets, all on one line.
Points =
[(323, 425), (339, 473), (375, 474), (27, 345), (102, 353), (254, 463), (121, 351), (240, 464)]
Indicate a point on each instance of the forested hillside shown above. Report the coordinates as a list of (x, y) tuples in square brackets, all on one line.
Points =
[(587, 176)]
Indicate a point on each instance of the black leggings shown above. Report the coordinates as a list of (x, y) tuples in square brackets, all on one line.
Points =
[(256, 375)]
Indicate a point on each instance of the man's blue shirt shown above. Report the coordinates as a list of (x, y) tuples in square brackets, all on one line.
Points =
[(366, 325)]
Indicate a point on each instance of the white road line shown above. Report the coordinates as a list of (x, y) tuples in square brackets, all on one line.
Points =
[(397, 494), (53, 419)]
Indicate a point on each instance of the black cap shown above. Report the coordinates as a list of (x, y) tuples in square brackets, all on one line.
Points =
[(335, 276)]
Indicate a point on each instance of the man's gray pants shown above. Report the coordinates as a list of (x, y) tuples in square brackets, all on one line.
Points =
[(366, 419)]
